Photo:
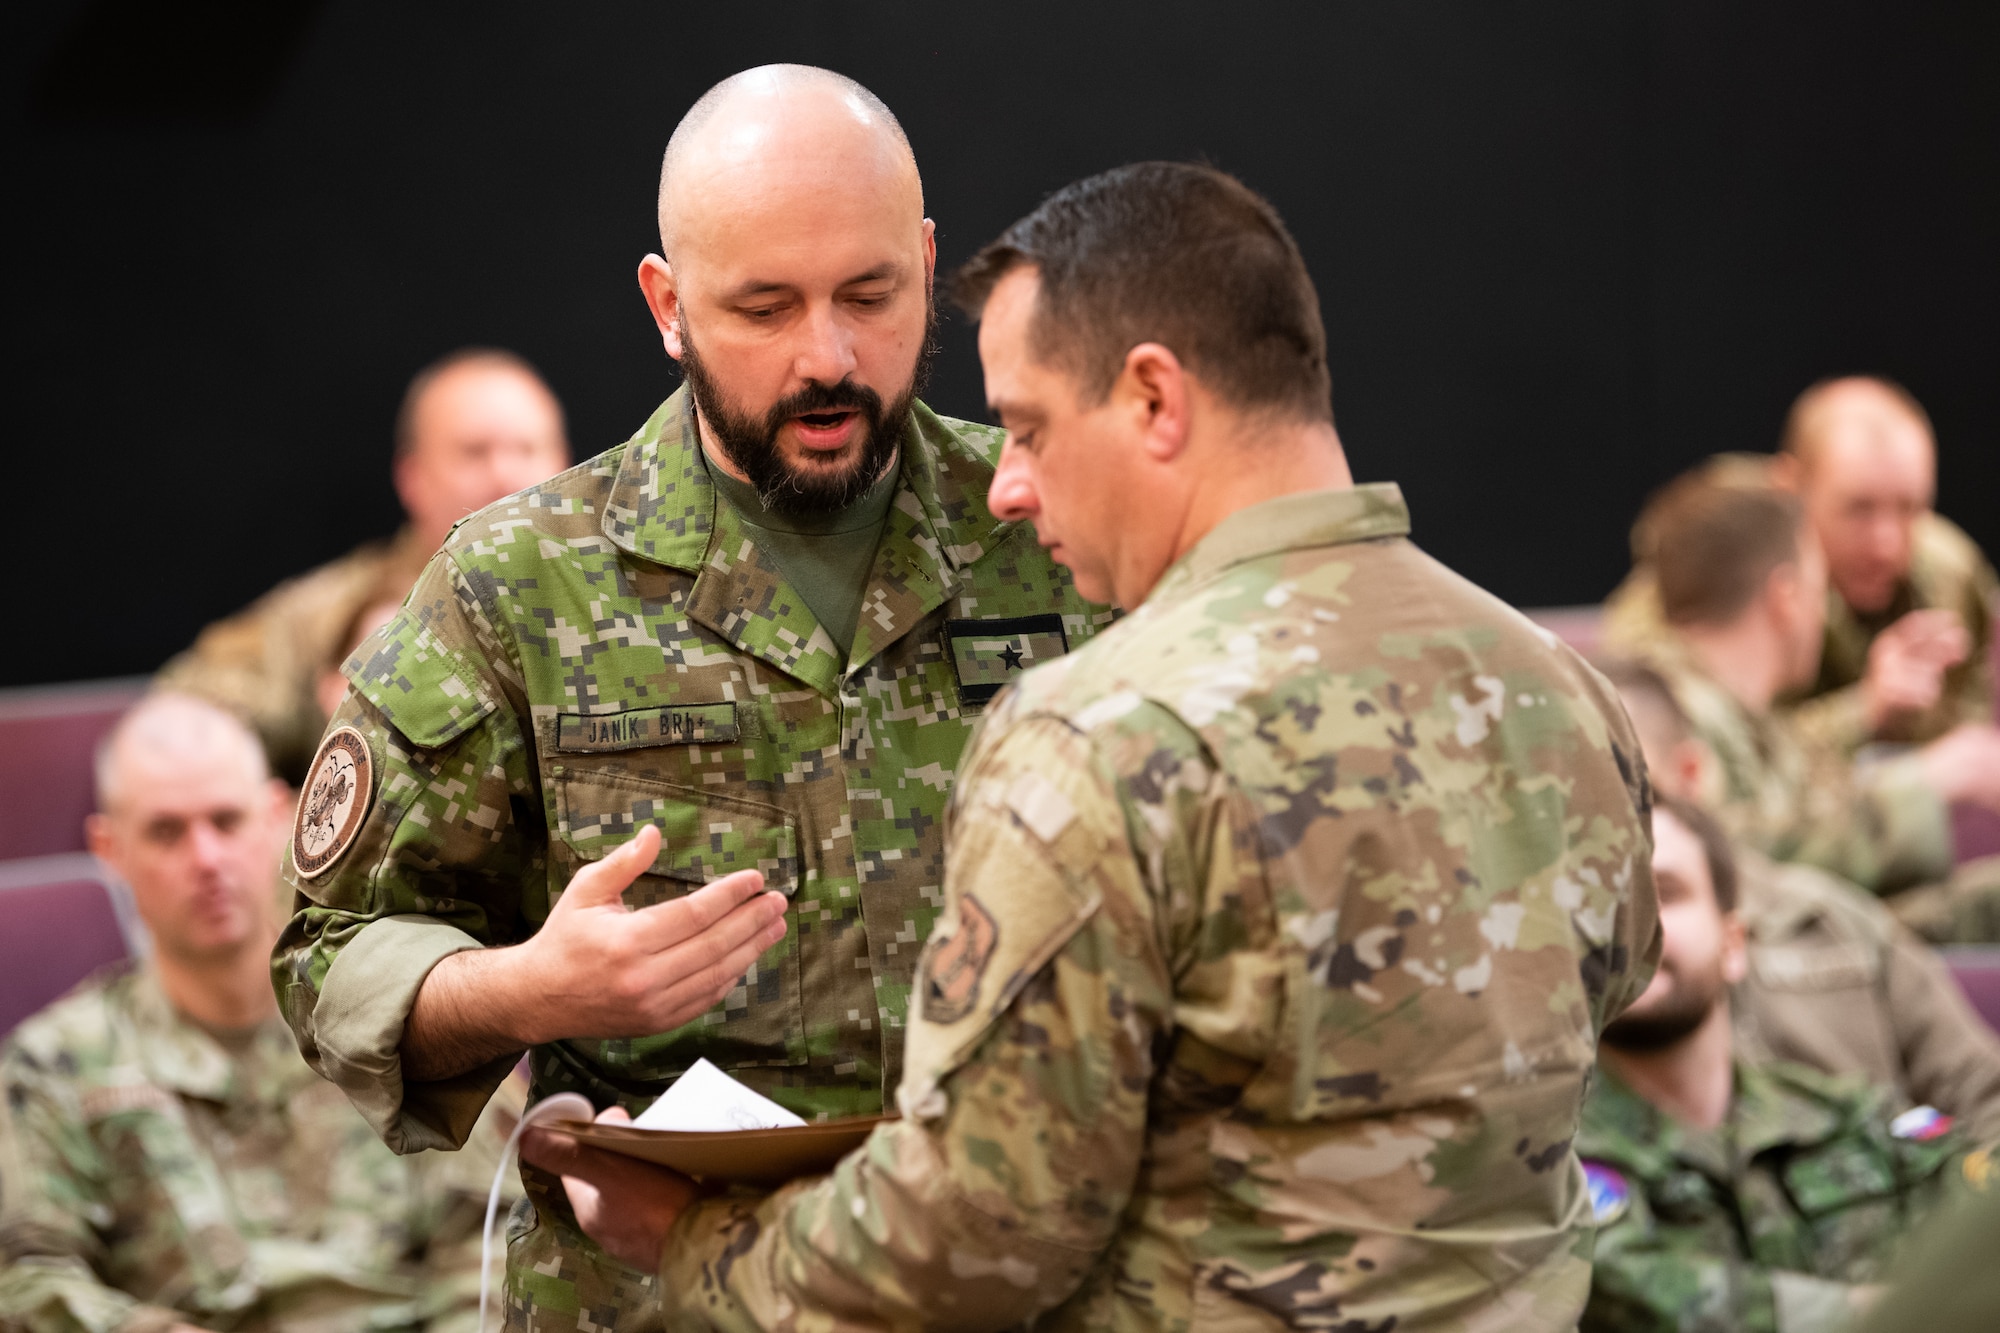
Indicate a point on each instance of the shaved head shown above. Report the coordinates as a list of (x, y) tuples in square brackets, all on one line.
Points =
[(164, 736), (1862, 409), (776, 119)]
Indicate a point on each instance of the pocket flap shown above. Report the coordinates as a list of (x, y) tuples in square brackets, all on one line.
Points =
[(426, 690), (704, 834)]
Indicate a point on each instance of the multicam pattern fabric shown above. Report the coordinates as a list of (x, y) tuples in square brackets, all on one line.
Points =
[(1296, 903), (1771, 1224), (1795, 799), (149, 1178), (610, 649), (264, 663), (1837, 984)]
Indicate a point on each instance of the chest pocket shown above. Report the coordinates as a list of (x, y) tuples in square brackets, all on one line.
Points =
[(1838, 1176), (704, 836)]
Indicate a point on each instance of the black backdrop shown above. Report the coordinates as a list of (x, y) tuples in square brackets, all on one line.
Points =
[(1564, 248)]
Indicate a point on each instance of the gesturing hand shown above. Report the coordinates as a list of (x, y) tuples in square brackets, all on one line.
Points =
[(625, 1205), (595, 969), (602, 969), (1907, 663)]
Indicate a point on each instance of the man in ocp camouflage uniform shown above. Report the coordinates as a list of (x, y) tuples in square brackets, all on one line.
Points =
[(755, 636), (166, 1159), (1281, 919), (1767, 1198)]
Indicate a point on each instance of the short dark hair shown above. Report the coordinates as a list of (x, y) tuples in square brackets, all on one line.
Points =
[(499, 358), (1715, 846), (1638, 683), (1715, 544), (1167, 252)]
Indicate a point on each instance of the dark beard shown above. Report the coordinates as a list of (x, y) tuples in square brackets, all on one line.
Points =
[(813, 489), (1683, 1009)]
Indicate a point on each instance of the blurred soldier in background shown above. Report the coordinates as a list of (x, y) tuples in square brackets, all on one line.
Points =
[(474, 426), (168, 1158), (1834, 981), (1742, 584), (1909, 618), (1280, 921), (1731, 1194)]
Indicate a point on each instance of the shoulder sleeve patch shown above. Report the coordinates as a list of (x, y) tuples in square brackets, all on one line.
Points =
[(952, 970), (426, 689), (338, 791), (1610, 1196)]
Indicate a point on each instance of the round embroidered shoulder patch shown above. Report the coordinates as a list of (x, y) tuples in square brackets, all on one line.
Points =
[(334, 801), (1610, 1196)]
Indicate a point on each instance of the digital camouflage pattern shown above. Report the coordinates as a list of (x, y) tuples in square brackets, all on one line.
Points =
[(1837, 984), (264, 663), (1796, 799), (1778, 1222), (1281, 924), (1947, 570), (149, 1177), (610, 649)]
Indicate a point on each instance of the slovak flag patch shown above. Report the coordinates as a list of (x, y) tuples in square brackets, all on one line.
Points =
[(1610, 1196), (1920, 1124)]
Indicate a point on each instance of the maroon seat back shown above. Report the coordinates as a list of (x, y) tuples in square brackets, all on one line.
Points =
[(47, 738), (61, 926), (1977, 971)]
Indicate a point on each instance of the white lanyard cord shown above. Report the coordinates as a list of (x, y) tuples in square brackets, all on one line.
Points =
[(562, 1106)]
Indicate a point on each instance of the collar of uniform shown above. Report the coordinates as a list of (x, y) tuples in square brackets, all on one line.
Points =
[(1767, 1114), (663, 508), (178, 1056), (1292, 522)]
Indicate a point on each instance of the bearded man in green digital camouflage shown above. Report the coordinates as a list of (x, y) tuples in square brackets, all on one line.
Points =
[(747, 646)]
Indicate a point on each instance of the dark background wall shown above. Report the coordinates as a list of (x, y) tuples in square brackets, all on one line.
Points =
[(1564, 248)]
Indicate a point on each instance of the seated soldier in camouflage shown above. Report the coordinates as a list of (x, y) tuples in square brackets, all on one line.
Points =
[(1909, 607), (1834, 980), (1743, 587), (165, 1156), (1731, 1195), (474, 425), (1280, 921)]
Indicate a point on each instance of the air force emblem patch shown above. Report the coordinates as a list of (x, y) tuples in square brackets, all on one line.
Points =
[(954, 965), (334, 802)]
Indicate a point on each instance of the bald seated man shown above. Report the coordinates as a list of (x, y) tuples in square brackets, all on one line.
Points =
[(746, 646), (474, 426), (1910, 598), (166, 1159)]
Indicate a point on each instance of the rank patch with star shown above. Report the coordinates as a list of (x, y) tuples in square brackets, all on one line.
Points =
[(988, 653)]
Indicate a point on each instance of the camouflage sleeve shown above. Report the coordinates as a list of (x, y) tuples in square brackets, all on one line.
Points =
[(1027, 1073), (451, 832), (49, 1174)]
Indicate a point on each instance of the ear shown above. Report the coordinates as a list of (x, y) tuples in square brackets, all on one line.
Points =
[(663, 298), (1735, 948), (930, 253), (97, 836), (1153, 388), (1786, 474)]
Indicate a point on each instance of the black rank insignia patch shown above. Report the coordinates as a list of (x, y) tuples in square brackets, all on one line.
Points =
[(989, 653), (334, 802), (954, 965)]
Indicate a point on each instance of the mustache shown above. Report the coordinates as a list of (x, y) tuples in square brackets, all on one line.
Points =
[(817, 397)]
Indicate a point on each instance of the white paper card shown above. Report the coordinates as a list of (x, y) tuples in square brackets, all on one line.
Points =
[(706, 1100)]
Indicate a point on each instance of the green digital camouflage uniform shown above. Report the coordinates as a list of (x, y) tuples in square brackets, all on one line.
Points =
[(1281, 924), (1946, 570), (610, 649), (265, 662), (1780, 1221), (148, 1177)]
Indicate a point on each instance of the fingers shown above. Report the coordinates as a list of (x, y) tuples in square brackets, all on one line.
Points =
[(602, 883), (708, 908), (696, 975)]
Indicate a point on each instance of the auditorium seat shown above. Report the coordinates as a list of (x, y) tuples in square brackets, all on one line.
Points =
[(1977, 969), (63, 923), (47, 736)]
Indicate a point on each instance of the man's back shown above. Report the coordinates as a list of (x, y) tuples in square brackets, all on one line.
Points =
[(160, 1167)]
